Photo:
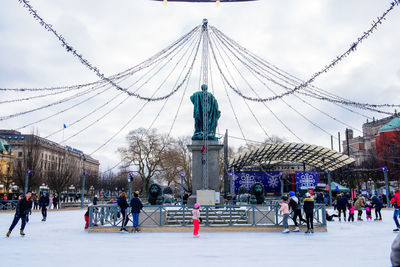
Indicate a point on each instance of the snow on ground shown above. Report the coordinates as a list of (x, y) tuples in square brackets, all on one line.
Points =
[(62, 241)]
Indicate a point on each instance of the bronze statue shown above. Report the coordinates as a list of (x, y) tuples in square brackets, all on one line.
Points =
[(213, 114)]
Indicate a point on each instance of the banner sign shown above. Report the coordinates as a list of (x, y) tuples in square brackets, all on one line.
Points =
[(270, 180), (306, 180)]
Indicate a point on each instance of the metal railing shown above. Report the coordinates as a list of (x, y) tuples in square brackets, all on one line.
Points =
[(172, 215), (8, 204)]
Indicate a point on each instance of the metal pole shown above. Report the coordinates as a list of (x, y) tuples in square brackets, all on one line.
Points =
[(205, 102), (347, 142), (330, 187), (226, 176), (83, 189), (130, 177), (26, 181), (332, 142), (384, 169), (340, 148), (181, 188), (281, 184)]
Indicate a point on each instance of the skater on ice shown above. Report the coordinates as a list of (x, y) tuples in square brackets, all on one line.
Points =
[(23, 208), (195, 219), (136, 205), (395, 202), (285, 211), (294, 205), (377, 204), (308, 207), (123, 205), (44, 202)]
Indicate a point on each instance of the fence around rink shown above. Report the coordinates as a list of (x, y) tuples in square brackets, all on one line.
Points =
[(172, 215)]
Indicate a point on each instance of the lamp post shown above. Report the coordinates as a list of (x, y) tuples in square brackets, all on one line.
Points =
[(330, 187), (281, 174), (130, 178), (181, 174), (83, 189), (385, 170), (26, 181)]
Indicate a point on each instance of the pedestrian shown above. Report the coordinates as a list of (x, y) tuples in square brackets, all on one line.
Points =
[(341, 206), (294, 205), (136, 206), (285, 211), (35, 202), (395, 202), (55, 201), (351, 211), (87, 217), (43, 204), (196, 218), (377, 204), (51, 201), (185, 198), (308, 207), (368, 210), (95, 199), (123, 205), (23, 208), (358, 205)]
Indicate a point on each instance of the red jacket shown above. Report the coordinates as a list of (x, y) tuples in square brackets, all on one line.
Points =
[(396, 198)]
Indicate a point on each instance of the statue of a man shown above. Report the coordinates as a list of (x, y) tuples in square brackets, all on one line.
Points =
[(212, 110)]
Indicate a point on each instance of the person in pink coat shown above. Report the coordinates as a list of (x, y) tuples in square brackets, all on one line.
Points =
[(196, 218), (285, 210)]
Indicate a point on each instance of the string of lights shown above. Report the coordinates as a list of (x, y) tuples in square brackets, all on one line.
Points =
[(305, 84), (270, 110), (86, 62), (254, 72), (119, 104)]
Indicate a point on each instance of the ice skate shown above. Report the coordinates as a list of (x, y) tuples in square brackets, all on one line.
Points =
[(396, 230), (8, 234), (196, 236), (21, 232), (286, 231), (137, 230), (296, 229), (312, 231), (307, 232)]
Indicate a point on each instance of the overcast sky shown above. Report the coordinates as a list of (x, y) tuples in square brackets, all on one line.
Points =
[(300, 37)]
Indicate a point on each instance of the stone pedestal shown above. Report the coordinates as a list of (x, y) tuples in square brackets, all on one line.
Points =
[(206, 197), (197, 168)]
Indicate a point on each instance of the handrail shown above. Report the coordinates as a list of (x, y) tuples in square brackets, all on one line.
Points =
[(213, 216)]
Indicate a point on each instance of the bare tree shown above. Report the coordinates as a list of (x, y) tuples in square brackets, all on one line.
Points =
[(60, 177), (144, 154), (30, 161)]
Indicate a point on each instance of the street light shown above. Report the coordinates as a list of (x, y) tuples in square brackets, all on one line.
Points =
[(26, 181), (385, 171), (181, 174)]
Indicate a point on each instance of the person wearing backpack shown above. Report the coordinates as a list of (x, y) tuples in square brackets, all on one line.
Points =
[(395, 202)]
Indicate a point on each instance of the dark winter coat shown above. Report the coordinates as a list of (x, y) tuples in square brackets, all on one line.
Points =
[(395, 255), (294, 203), (136, 205), (320, 198), (308, 205), (342, 202), (95, 201), (44, 201), (23, 207), (376, 202), (122, 203)]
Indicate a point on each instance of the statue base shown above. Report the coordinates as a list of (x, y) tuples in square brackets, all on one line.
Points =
[(214, 183)]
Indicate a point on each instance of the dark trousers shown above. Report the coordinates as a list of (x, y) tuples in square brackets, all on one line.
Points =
[(351, 217), (309, 220), (297, 213), (15, 221), (135, 219), (378, 211), (124, 219), (359, 214), (44, 212)]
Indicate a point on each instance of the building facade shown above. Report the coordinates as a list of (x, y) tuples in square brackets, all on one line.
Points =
[(44, 157), (6, 165)]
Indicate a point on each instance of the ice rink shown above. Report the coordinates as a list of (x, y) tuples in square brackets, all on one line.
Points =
[(62, 241)]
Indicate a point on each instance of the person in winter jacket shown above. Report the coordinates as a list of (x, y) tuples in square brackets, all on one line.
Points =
[(377, 204), (23, 208), (341, 206), (123, 205), (196, 218), (358, 205), (395, 202), (136, 206), (308, 207), (285, 210), (294, 205), (351, 212), (368, 210), (44, 202), (395, 254)]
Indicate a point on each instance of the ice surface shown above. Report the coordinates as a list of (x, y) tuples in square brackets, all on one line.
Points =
[(62, 241)]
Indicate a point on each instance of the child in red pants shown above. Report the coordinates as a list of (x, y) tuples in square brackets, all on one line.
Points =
[(196, 217), (87, 219)]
